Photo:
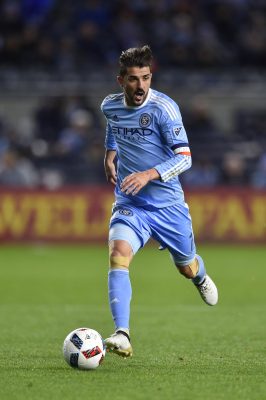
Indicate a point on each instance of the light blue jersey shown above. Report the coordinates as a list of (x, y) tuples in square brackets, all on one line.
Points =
[(148, 136)]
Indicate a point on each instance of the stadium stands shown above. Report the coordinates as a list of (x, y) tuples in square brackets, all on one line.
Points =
[(62, 45)]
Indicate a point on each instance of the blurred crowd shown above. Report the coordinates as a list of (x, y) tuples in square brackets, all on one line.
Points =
[(72, 35), (235, 158), (62, 143)]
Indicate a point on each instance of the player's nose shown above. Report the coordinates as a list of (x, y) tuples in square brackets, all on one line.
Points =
[(140, 84)]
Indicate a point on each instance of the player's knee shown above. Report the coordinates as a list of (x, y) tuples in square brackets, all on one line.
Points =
[(190, 270), (118, 259)]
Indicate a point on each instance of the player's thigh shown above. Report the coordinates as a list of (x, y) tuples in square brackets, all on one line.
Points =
[(174, 231)]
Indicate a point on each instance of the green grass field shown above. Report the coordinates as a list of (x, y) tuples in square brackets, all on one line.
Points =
[(183, 349)]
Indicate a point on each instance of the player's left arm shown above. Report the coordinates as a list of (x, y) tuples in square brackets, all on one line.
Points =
[(175, 165), (175, 138)]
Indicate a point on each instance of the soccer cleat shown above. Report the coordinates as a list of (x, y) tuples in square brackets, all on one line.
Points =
[(208, 291), (119, 343)]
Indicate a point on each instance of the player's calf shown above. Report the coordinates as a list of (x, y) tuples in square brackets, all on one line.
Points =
[(191, 270), (204, 284)]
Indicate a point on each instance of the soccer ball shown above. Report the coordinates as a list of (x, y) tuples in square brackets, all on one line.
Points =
[(84, 348)]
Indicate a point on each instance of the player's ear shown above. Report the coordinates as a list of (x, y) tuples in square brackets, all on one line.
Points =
[(120, 80)]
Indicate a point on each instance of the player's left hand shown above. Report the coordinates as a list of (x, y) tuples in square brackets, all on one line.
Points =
[(133, 183)]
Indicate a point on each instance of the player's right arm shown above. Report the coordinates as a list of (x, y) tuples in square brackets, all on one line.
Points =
[(109, 166), (110, 155), (110, 147)]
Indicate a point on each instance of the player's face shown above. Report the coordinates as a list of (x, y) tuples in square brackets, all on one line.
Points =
[(136, 84)]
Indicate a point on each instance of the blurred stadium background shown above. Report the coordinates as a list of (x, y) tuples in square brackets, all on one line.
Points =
[(58, 60)]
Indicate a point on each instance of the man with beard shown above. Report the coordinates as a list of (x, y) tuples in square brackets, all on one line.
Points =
[(146, 149)]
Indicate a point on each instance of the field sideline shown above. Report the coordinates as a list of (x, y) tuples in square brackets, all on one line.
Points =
[(183, 349)]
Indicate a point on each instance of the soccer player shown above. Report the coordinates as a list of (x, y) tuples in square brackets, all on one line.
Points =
[(146, 149)]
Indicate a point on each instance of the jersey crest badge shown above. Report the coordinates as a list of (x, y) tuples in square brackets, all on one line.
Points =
[(145, 120)]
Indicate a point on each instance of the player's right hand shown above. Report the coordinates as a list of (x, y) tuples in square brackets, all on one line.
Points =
[(110, 173)]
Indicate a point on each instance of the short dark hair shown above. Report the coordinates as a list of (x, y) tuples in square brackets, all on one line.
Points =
[(135, 57)]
